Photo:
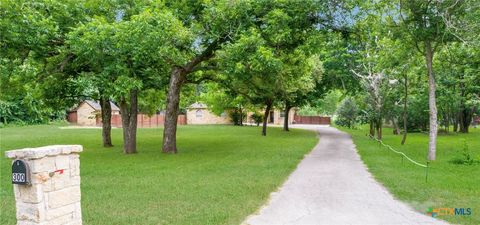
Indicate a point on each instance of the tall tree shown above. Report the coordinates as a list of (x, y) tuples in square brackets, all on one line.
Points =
[(302, 73), (31, 36), (132, 58), (252, 70), (427, 22), (212, 24)]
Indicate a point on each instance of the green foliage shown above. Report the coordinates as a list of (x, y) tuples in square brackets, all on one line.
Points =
[(464, 156), (31, 33), (219, 99), (237, 116), (130, 54), (274, 61), (151, 101), (347, 113), (251, 67), (257, 118), (327, 105)]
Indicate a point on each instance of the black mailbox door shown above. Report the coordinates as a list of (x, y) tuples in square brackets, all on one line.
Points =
[(20, 173)]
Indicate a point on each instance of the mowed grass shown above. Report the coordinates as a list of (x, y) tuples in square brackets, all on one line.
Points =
[(449, 185), (220, 175)]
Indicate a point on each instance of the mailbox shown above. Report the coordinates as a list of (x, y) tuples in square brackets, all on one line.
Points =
[(20, 173)]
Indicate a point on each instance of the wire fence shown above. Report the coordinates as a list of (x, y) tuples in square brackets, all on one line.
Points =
[(403, 155)]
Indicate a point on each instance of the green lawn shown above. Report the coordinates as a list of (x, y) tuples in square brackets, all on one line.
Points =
[(221, 174), (449, 185)]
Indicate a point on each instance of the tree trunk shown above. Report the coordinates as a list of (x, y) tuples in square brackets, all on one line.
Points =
[(286, 116), (465, 120), (465, 117), (379, 129), (372, 128), (129, 112), (432, 144), (241, 116), (447, 122), (106, 110), (456, 122), (177, 79), (269, 104), (396, 129), (405, 114)]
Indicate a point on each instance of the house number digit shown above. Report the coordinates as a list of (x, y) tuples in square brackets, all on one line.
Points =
[(18, 177)]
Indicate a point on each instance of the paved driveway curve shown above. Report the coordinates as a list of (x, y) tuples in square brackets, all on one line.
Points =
[(331, 185)]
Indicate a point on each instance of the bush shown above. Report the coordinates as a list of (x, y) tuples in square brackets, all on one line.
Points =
[(237, 117), (257, 118), (347, 113), (465, 156)]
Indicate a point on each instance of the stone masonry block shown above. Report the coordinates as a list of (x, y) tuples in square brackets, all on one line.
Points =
[(27, 222), (61, 211), (74, 165), (63, 197), (75, 181), (16, 192), (48, 186), (46, 164), (78, 211), (40, 152), (60, 181), (30, 193), (62, 162), (30, 212), (62, 220), (40, 178)]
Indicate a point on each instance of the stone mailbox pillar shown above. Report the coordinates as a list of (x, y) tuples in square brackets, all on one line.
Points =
[(53, 194)]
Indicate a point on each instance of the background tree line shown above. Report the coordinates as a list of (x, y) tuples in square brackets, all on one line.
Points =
[(411, 64)]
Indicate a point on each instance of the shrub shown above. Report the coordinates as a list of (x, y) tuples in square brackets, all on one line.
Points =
[(464, 156), (237, 117), (347, 113), (257, 118)]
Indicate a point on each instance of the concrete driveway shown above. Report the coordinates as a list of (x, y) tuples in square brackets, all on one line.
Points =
[(331, 185)]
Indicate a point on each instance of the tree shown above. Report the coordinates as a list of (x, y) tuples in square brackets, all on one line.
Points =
[(132, 58), (400, 62), (459, 85), (91, 48), (427, 22), (252, 70), (212, 24), (31, 34), (347, 113), (303, 74), (220, 99)]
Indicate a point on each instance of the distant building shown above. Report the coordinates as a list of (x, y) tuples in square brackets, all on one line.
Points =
[(87, 112), (198, 113), (476, 120)]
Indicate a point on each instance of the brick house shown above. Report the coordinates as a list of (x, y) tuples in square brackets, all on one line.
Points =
[(198, 113), (87, 112)]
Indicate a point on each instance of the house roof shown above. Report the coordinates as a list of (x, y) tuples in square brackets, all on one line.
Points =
[(96, 106), (197, 105)]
